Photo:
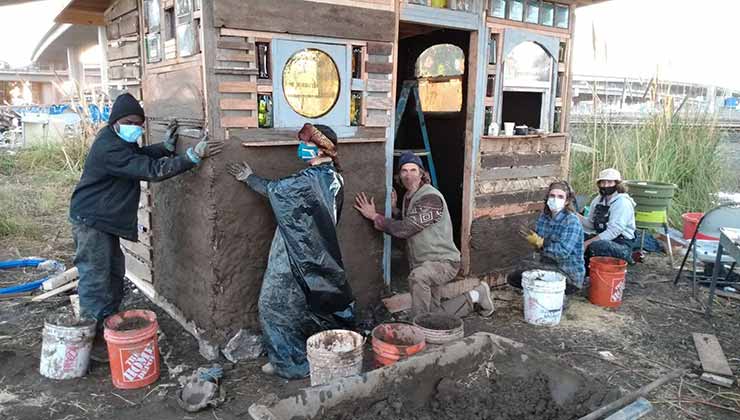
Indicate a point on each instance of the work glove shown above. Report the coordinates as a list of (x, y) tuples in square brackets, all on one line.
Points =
[(240, 171), (170, 136), (535, 240), (204, 149)]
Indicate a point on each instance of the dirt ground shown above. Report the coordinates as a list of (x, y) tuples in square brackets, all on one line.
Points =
[(644, 339)]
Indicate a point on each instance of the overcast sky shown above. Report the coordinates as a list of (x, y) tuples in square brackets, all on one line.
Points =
[(683, 40)]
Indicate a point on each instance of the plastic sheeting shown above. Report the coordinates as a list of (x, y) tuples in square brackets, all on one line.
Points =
[(305, 289)]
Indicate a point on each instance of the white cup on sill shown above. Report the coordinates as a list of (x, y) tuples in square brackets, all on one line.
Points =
[(509, 128)]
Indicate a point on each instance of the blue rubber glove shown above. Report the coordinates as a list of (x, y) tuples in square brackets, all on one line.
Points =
[(170, 136), (204, 149)]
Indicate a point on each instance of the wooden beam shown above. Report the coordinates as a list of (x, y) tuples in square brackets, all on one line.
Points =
[(238, 104), (306, 18), (237, 87), (58, 290)]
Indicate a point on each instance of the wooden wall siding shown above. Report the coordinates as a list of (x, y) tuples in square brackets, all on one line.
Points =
[(510, 185), (307, 18), (368, 4), (123, 49), (237, 81), (378, 100), (175, 94)]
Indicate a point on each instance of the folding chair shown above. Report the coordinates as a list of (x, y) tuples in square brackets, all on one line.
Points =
[(706, 251)]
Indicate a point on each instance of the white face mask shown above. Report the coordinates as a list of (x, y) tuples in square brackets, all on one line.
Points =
[(555, 204)]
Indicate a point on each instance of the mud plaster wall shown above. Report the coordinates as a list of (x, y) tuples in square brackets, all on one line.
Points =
[(182, 227), (244, 226), (496, 245)]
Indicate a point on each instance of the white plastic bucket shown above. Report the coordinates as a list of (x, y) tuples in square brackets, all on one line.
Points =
[(334, 354), (543, 296), (65, 348)]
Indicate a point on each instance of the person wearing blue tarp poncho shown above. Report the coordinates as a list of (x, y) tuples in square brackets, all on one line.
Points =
[(304, 289)]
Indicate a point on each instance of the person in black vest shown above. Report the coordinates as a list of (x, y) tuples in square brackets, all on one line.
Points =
[(610, 225), (105, 204)]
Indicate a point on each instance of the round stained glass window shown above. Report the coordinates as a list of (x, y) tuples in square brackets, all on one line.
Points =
[(311, 83)]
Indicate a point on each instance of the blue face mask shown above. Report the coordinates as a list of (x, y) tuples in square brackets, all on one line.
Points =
[(129, 133), (307, 152)]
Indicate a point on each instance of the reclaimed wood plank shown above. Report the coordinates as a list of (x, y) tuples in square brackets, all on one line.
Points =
[(237, 87), (377, 118), (139, 268), (240, 44), (238, 104), (518, 172), (126, 50), (507, 210), (374, 102), (129, 24), (306, 18), (235, 55), (516, 159), (376, 85), (712, 357), (380, 68), (119, 8), (229, 121), (379, 48), (493, 200), (513, 185)]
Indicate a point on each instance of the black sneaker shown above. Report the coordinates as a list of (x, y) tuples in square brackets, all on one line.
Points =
[(99, 351)]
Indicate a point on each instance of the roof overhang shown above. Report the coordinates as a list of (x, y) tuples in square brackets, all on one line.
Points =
[(52, 48), (84, 12)]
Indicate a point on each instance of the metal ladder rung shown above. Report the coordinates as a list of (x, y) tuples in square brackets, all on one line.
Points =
[(417, 152)]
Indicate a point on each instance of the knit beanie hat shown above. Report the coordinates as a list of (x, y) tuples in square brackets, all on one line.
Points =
[(408, 157), (125, 105)]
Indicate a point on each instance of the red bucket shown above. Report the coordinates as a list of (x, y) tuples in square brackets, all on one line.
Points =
[(132, 348), (607, 281), (690, 222), (395, 341)]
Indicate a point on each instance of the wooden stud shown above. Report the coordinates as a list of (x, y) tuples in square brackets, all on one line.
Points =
[(239, 122), (381, 68)]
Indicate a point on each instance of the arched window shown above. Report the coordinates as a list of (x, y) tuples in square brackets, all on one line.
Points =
[(440, 70)]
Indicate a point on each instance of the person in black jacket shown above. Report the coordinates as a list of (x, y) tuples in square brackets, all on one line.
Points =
[(105, 203)]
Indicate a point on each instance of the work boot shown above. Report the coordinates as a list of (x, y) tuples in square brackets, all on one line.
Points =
[(485, 301), (99, 351), (268, 369)]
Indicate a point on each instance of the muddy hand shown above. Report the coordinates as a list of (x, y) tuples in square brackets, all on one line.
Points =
[(365, 206), (240, 171)]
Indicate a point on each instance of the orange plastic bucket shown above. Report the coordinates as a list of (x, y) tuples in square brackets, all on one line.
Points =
[(132, 348), (395, 341), (607, 281), (690, 223)]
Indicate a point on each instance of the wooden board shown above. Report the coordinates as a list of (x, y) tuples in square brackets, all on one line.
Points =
[(120, 8), (228, 121), (523, 144), (711, 355), (518, 172), (125, 50), (515, 159), (238, 104), (237, 87), (507, 210), (177, 94), (376, 85), (236, 55), (235, 44), (381, 68), (140, 269), (129, 24), (377, 118), (493, 200), (374, 102), (379, 48), (273, 135), (306, 18)]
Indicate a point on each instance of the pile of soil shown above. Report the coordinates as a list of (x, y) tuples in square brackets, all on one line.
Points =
[(478, 397)]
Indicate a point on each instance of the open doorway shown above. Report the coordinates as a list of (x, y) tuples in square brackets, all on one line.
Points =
[(437, 59)]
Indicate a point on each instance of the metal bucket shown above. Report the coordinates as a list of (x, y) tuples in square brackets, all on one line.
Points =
[(440, 327), (65, 347), (334, 354)]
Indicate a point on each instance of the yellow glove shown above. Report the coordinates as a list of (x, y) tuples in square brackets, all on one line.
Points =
[(535, 240)]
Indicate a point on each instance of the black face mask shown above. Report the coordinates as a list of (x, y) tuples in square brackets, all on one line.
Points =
[(607, 190)]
